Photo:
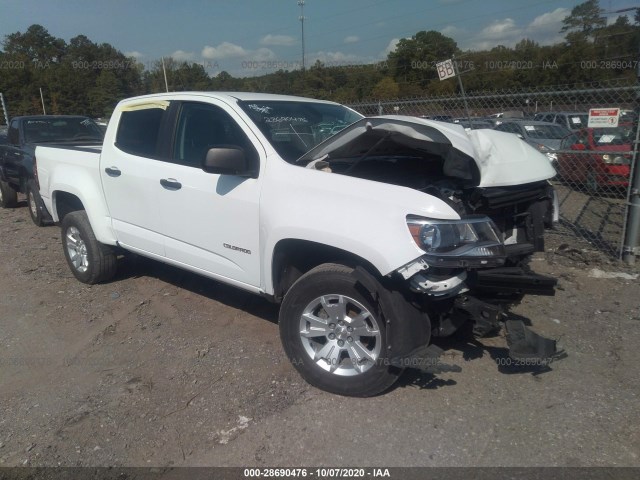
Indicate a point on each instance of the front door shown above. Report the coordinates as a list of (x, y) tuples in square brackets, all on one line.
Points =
[(211, 222)]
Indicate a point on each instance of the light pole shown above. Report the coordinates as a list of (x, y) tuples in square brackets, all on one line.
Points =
[(301, 18)]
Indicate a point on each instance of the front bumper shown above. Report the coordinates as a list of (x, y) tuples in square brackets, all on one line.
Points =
[(510, 281)]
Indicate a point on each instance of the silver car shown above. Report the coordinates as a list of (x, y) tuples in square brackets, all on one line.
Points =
[(544, 136)]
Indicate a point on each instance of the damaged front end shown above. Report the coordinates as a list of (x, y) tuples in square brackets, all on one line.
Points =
[(474, 268)]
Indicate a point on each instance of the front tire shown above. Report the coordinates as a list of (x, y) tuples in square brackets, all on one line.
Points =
[(335, 335), (89, 260), (8, 196)]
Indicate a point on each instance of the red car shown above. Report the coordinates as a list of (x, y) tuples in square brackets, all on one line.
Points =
[(602, 158)]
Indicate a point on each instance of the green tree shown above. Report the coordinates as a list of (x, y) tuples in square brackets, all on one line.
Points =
[(414, 59), (385, 89), (585, 18)]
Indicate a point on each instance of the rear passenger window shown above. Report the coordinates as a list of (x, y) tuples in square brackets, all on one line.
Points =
[(138, 132)]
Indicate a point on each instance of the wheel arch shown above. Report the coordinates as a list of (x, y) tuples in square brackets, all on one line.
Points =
[(65, 201), (293, 257)]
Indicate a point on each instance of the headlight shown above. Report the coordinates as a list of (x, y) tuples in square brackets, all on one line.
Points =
[(615, 160), (467, 242)]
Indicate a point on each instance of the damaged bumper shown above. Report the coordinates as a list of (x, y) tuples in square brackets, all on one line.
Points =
[(481, 296)]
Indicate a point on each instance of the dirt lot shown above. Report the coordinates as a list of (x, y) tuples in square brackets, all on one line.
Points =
[(162, 367)]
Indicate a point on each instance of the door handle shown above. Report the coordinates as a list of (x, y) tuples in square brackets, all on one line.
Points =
[(113, 171), (170, 184)]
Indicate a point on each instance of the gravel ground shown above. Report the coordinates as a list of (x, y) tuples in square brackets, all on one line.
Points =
[(164, 368)]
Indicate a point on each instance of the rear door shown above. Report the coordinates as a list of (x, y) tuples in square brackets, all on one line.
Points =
[(211, 222), (130, 170)]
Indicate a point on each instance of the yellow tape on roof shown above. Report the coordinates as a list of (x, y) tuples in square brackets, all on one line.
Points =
[(163, 104)]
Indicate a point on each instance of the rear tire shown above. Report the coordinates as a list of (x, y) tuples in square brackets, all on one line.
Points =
[(37, 210), (89, 260), (334, 335), (8, 196)]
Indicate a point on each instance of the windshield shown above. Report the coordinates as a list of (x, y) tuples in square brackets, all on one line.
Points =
[(555, 132), (45, 130), (293, 128)]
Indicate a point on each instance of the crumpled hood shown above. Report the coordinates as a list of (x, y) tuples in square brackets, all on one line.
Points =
[(497, 158)]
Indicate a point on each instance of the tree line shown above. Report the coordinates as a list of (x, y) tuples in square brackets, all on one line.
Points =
[(83, 77)]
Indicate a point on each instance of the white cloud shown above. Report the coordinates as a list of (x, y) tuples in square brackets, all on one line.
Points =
[(262, 54), (182, 56), (223, 51), (390, 47), (500, 30), (352, 39), (135, 54), (543, 29), (550, 19), (450, 31), (278, 40), (333, 59)]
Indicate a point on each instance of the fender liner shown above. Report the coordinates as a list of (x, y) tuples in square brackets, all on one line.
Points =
[(407, 328)]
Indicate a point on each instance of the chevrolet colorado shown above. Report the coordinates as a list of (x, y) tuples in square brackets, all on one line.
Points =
[(374, 234)]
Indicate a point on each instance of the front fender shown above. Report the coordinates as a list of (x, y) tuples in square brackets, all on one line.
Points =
[(362, 217)]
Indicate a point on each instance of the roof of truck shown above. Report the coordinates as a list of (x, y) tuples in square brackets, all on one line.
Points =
[(228, 96)]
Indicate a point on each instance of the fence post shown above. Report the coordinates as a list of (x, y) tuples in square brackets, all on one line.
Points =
[(632, 223)]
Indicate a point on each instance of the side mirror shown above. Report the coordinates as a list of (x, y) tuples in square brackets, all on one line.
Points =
[(520, 136), (578, 146), (228, 160)]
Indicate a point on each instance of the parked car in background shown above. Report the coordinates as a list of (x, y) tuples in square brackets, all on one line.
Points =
[(602, 158), (17, 155), (569, 120), (438, 118), (543, 136), (474, 123)]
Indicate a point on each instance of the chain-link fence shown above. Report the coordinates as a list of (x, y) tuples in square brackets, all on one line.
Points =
[(594, 165)]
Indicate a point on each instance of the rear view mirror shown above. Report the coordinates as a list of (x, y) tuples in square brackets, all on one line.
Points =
[(228, 160)]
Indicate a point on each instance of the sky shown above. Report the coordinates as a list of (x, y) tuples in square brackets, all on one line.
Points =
[(250, 37)]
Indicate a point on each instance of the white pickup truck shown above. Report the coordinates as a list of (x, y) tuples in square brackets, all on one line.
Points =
[(374, 234)]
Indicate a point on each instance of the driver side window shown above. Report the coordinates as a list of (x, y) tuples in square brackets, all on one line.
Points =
[(202, 127)]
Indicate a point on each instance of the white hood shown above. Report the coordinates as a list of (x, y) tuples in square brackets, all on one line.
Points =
[(502, 158)]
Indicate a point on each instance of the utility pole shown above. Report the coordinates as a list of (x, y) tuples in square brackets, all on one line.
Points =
[(301, 18)]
